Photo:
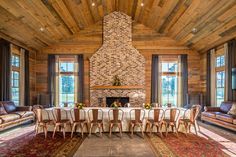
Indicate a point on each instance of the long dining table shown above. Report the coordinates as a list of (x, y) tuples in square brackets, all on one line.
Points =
[(125, 121)]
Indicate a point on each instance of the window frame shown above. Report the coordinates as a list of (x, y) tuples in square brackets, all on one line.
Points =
[(219, 69), (66, 59), (169, 59), (17, 69)]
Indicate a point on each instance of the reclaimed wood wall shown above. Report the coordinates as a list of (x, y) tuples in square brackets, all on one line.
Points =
[(145, 40)]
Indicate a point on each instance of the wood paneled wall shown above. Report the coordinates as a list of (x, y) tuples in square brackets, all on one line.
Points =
[(145, 40), (32, 63)]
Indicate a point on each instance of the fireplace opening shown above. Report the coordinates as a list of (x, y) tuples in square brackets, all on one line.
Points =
[(122, 100)]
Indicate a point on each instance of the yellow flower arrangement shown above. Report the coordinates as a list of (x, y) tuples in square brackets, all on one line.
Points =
[(79, 105), (147, 106), (115, 105)]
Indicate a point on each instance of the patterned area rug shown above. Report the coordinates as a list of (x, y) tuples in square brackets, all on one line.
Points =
[(29, 145), (190, 146)]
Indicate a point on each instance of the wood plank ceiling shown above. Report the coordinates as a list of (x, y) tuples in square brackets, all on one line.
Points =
[(40, 23)]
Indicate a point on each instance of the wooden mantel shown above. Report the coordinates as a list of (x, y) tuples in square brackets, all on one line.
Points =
[(118, 87)]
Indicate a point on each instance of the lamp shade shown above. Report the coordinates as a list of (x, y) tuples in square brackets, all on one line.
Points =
[(234, 78)]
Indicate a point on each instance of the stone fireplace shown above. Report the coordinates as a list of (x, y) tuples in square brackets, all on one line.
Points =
[(122, 100), (118, 57)]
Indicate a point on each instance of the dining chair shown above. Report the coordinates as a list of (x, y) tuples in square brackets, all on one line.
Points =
[(171, 120), (61, 119), (34, 111), (42, 121), (78, 117), (96, 119), (155, 117), (190, 119), (137, 121), (115, 119)]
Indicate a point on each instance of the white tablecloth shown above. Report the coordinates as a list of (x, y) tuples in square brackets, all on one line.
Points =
[(125, 122)]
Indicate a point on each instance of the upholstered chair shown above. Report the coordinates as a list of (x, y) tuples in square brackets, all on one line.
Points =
[(78, 118), (96, 119), (171, 116), (42, 120), (61, 119), (115, 118), (190, 118), (137, 120), (155, 117)]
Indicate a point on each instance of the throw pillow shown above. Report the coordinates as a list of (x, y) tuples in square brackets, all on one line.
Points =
[(2, 110), (232, 111)]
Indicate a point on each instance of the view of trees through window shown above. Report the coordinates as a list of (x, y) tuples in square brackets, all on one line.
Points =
[(220, 79), (169, 83), (66, 83), (15, 79)]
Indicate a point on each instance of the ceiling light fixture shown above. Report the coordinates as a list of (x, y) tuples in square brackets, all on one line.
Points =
[(93, 4), (194, 30), (142, 4), (41, 29)]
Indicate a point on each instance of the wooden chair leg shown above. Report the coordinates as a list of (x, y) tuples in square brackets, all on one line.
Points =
[(54, 131), (196, 123), (99, 127), (147, 125), (179, 125), (87, 127), (167, 127), (151, 128), (120, 128), (90, 129), (102, 128), (64, 131), (141, 127), (195, 127), (110, 129), (72, 130), (132, 130), (82, 129), (45, 131), (186, 129), (129, 127), (36, 129), (159, 130), (176, 130)]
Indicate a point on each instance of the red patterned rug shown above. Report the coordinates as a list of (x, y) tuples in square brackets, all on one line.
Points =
[(190, 146), (29, 145)]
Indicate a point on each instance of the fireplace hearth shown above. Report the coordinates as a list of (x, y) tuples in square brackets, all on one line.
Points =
[(122, 100)]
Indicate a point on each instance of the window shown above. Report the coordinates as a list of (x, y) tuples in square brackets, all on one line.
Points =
[(220, 84), (169, 83), (15, 79), (220, 79), (67, 81), (220, 61)]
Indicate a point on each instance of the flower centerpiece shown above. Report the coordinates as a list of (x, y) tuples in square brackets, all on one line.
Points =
[(147, 106), (79, 105), (115, 104)]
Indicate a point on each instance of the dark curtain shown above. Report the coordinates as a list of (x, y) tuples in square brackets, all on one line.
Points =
[(184, 70), (27, 79), (154, 79), (81, 78), (231, 64), (51, 78), (5, 71), (208, 79)]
